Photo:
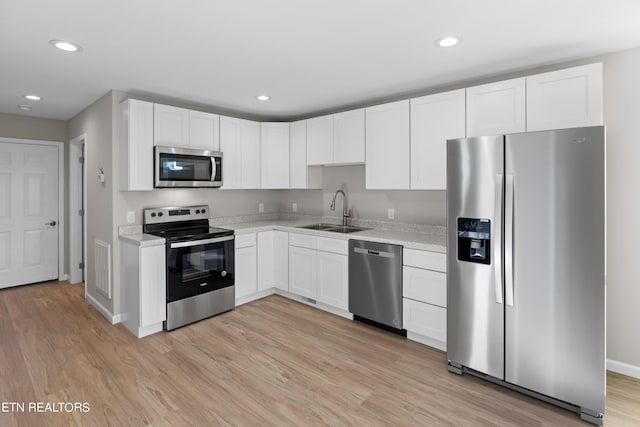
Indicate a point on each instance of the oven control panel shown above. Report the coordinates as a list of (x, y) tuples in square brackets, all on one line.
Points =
[(173, 214)]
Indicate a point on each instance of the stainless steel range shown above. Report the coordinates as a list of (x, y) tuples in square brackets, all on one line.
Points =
[(200, 264)]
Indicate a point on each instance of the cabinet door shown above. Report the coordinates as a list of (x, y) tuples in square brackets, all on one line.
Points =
[(565, 99), (266, 260), (246, 271), (281, 260), (298, 155), (424, 285), (425, 319), (136, 145), (387, 146), (250, 154), (204, 131), (274, 141), (302, 271), (496, 108), (320, 140), (434, 119), (348, 137), (170, 126), (153, 298), (230, 144), (333, 280)]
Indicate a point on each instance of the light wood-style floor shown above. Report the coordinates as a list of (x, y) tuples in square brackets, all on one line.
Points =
[(271, 362)]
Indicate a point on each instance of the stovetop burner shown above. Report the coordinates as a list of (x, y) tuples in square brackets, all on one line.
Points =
[(181, 224)]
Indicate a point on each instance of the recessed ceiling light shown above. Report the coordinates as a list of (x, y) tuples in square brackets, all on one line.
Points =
[(262, 97), (67, 46), (33, 97), (448, 41), (24, 107)]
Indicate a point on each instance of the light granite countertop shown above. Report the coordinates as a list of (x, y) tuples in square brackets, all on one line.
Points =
[(428, 238), (429, 241)]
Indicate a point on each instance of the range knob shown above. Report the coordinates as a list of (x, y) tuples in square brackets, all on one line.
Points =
[(153, 214), (204, 211), (197, 211), (159, 213)]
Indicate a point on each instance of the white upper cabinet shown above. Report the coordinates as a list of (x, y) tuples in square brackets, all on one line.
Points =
[(170, 126), (274, 141), (136, 145), (320, 140), (496, 108), (565, 98), (301, 175), (434, 119), (387, 146), (204, 131), (348, 137), (240, 146)]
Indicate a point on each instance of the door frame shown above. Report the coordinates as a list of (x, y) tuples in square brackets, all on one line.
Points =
[(77, 229), (61, 181)]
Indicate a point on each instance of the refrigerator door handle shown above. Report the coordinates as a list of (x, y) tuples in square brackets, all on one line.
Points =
[(508, 239), (497, 247)]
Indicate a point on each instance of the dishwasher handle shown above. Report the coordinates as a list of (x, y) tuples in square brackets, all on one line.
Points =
[(374, 253)]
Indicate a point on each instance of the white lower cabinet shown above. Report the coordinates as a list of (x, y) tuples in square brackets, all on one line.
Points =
[(333, 280), (424, 292), (246, 265), (142, 275), (318, 269), (302, 271), (273, 260)]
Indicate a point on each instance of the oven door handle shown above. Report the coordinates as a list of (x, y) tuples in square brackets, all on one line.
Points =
[(201, 242)]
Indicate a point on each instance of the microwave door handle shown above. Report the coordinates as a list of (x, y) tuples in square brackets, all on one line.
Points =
[(214, 169)]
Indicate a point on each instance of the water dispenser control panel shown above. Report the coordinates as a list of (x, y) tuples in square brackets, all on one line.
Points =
[(474, 240)]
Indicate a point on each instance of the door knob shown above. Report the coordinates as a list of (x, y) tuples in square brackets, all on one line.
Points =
[(52, 223)]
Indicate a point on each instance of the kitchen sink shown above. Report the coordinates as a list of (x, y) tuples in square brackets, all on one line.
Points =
[(333, 228), (320, 226)]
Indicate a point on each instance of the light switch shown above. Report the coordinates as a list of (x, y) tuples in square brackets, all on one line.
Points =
[(131, 217), (294, 207), (261, 207), (391, 213)]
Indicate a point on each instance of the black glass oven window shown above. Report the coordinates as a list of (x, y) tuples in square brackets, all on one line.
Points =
[(180, 167)]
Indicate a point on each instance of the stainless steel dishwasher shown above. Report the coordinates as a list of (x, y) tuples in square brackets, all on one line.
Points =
[(375, 283)]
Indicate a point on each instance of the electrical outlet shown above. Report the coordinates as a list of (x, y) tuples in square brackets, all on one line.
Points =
[(260, 207), (294, 207), (391, 213), (131, 217)]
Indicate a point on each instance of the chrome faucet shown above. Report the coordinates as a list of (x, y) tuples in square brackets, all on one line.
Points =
[(346, 213)]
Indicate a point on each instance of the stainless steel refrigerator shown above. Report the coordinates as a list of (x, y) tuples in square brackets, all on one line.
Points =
[(526, 264)]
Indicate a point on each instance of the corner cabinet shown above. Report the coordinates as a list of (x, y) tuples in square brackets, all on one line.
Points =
[(136, 145), (424, 292), (496, 108), (434, 119), (274, 143), (387, 146), (273, 260), (320, 140), (566, 98)]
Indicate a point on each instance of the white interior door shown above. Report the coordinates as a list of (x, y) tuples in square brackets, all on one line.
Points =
[(28, 213)]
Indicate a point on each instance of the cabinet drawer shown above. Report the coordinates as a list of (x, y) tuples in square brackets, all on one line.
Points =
[(245, 240), (302, 240), (424, 285), (337, 246), (424, 259), (425, 319)]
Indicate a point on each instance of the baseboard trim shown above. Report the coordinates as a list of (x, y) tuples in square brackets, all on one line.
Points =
[(623, 368), (103, 310)]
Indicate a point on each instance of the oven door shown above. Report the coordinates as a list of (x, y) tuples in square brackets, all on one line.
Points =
[(200, 266), (181, 167)]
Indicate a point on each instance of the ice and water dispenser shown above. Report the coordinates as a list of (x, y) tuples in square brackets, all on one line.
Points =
[(474, 240)]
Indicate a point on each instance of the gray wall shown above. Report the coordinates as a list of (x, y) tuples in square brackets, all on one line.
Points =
[(95, 121), (621, 104)]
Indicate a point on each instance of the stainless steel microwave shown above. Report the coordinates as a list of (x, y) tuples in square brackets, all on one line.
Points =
[(185, 167)]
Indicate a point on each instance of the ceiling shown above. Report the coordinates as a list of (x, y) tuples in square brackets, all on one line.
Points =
[(308, 55)]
